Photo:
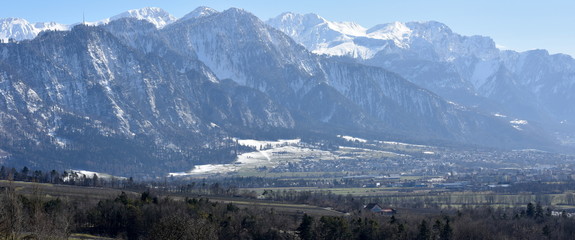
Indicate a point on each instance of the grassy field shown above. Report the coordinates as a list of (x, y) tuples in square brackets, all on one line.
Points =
[(279, 207), (340, 191), (306, 175), (426, 198), (93, 195), (53, 191), (79, 236), (417, 201)]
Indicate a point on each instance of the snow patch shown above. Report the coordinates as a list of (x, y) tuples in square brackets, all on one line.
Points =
[(401, 144), (349, 28), (352, 139), (519, 122), (90, 174)]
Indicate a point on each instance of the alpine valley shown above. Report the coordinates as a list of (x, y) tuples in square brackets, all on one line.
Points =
[(144, 94)]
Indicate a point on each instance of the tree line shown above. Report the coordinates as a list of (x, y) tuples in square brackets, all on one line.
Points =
[(147, 216), (65, 177)]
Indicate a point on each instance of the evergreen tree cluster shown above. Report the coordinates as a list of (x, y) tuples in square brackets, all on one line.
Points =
[(147, 216)]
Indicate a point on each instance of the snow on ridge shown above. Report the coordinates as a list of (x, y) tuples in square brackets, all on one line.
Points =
[(519, 122), (322, 36), (397, 31), (352, 139), (20, 29), (348, 28), (199, 12), (157, 16), (287, 16), (311, 20), (401, 144)]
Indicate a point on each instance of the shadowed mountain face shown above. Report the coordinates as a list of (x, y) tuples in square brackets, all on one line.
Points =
[(129, 98)]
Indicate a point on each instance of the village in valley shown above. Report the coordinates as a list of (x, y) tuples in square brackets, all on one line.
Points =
[(359, 163)]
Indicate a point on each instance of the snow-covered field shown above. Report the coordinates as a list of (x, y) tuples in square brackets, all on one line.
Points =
[(270, 154), (403, 144), (352, 139), (363, 152), (90, 174)]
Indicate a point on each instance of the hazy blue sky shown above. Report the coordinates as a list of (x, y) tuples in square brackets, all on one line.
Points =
[(515, 24)]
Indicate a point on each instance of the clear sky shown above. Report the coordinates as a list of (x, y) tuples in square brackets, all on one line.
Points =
[(515, 24)]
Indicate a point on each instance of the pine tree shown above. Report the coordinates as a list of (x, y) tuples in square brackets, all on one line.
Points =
[(447, 231), (539, 211), (424, 232), (305, 228), (530, 212)]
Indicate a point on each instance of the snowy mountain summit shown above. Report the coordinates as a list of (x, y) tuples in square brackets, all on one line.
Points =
[(157, 16), (351, 39), (322, 36), (20, 29), (199, 13)]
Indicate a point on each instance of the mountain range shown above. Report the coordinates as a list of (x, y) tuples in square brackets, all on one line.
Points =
[(144, 93), (531, 87), (20, 29)]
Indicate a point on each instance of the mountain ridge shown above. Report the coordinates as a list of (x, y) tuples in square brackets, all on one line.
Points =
[(20, 29)]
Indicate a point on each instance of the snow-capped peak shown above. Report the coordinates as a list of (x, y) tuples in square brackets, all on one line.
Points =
[(308, 20), (16, 28), (11, 20), (397, 31), (348, 28), (389, 28), (156, 16), (319, 35), (432, 39), (288, 16), (199, 13), (312, 20), (20, 29)]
